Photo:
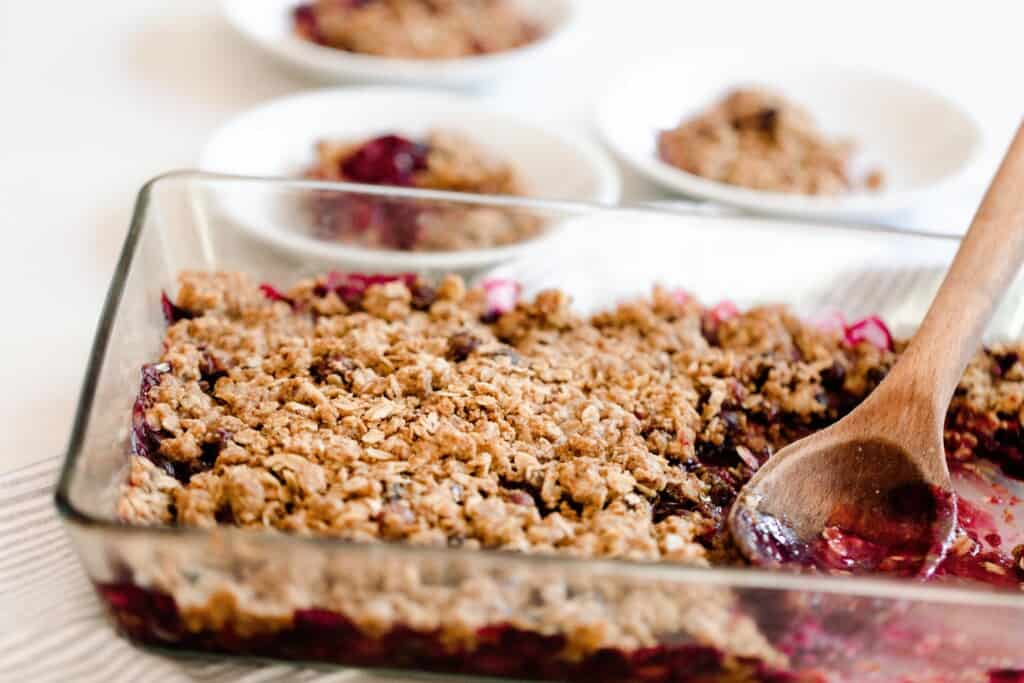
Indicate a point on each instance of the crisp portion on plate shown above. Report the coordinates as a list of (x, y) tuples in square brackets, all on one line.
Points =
[(416, 29), (756, 138), (449, 43), (442, 160), (404, 138), (920, 139)]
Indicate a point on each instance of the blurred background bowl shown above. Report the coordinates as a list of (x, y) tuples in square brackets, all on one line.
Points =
[(268, 25), (920, 139), (278, 139)]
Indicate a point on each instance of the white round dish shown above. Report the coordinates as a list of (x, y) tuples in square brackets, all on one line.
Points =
[(268, 25), (919, 138), (277, 140)]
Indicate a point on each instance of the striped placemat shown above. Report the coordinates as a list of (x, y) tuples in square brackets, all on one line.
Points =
[(52, 626)]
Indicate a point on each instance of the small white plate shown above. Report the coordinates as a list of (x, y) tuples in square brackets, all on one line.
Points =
[(920, 139), (278, 140), (268, 24)]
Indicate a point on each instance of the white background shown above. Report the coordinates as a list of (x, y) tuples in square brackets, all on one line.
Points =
[(96, 97)]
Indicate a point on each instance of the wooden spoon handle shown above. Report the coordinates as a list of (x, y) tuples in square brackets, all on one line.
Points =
[(989, 257)]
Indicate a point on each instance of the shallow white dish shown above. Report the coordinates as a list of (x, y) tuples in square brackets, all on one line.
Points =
[(268, 25), (920, 139), (277, 140)]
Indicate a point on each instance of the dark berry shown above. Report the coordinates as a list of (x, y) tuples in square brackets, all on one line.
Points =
[(387, 160), (717, 454), (172, 312), (210, 370), (669, 503), (875, 375), (306, 23), (461, 345), (834, 376), (1006, 676), (767, 119), (144, 440), (733, 419), (1006, 361), (423, 296)]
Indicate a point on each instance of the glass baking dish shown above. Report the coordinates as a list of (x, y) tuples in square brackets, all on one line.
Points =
[(499, 614)]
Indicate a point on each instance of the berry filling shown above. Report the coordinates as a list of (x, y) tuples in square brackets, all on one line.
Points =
[(274, 294), (1006, 676), (872, 330), (500, 650), (144, 439), (502, 295), (172, 312), (893, 539)]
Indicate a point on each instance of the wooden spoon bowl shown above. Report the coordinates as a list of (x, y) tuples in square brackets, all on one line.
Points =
[(867, 489)]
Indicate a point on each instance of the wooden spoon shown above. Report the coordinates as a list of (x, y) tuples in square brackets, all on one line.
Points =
[(882, 469)]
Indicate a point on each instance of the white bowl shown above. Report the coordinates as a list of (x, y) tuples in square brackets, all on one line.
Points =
[(920, 139), (268, 24), (277, 140)]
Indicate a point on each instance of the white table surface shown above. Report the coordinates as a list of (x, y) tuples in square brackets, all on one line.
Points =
[(97, 97)]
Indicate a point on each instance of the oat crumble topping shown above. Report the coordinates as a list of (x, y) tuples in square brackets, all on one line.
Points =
[(388, 408), (401, 415)]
